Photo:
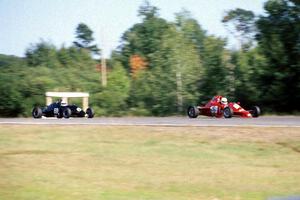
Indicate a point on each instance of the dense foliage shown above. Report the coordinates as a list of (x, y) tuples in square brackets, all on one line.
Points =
[(162, 67), (279, 41)]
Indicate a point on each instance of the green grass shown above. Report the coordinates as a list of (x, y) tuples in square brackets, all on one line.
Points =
[(96, 162)]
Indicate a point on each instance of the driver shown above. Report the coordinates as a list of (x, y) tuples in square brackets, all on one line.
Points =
[(224, 101), (58, 101), (217, 103)]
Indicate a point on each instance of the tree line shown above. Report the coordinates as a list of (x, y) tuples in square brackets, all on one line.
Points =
[(161, 67)]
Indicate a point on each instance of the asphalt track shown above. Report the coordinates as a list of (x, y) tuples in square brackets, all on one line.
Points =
[(264, 121)]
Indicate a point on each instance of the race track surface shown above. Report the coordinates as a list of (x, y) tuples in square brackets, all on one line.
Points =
[(264, 121)]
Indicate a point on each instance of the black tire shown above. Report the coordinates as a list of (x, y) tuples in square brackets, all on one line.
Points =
[(255, 111), (37, 112), (90, 112), (193, 112), (227, 112), (66, 113)]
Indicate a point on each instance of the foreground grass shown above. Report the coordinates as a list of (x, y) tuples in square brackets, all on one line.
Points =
[(94, 162)]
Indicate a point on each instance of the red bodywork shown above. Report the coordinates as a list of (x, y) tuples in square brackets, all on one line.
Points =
[(236, 109)]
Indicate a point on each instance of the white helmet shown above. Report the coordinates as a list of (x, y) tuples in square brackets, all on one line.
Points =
[(224, 100)]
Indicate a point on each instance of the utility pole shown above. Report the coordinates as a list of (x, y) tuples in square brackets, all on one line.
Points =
[(103, 61), (179, 90), (103, 72)]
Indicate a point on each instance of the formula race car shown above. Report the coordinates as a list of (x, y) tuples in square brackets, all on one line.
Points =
[(61, 110), (219, 107)]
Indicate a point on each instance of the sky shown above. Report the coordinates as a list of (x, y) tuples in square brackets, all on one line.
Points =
[(27, 22)]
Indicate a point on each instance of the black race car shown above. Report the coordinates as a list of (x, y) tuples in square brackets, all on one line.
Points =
[(61, 110)]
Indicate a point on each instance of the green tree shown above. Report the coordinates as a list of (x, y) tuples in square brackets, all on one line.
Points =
[(9, 61), (112, 99), (181, 62), (246, 76), (241, 23), (169, 80), (279, 41), (191, 29), (11, 101), (64, 56), (85, 39), (42, 53), (144, 38), (215, 77), (171, 84), (147, 11)]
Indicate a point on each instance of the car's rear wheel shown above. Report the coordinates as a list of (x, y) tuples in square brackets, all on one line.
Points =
[(66, 113), (90, 112), (37, 112), (193, 112), (255, 111), (227, 112)]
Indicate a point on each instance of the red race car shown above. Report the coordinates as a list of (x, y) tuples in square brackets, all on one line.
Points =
[(218, 106)]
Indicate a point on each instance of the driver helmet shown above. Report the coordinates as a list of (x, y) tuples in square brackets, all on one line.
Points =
[(224, 100), (63, 103)]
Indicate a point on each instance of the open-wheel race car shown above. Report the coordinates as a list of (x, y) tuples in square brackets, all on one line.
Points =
[(218, 107), (61, 110)]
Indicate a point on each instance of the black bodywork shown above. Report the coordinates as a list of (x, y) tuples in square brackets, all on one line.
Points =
[(61, 110)]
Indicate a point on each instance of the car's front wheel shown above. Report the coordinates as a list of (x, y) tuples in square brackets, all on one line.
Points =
[(66, 113), (193, 112), (37, 112), (255, 111), (227, 112)]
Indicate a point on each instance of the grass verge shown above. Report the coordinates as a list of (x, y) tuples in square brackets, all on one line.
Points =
[(98, 162)]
